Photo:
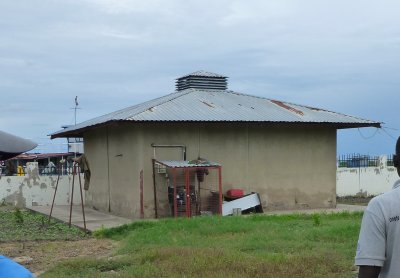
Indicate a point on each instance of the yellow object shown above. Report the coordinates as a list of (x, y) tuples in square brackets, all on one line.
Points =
[(20, 171)]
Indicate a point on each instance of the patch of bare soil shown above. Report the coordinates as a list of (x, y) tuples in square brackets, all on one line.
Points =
[(39, 256)]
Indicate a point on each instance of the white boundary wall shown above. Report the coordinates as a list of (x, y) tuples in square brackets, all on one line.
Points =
[(38, 190), (366, 180)]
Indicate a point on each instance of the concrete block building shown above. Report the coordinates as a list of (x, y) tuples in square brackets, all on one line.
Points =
[(283, 151)]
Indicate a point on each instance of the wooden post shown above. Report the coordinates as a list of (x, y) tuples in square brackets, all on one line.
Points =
[(72, 194), (55, 192), (83, 207)]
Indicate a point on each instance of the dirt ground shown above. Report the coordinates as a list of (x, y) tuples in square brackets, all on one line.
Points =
[(39, 256)]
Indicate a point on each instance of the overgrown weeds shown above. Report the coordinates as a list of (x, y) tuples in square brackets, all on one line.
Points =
[(23, 225), (316, 219), (19, 218)]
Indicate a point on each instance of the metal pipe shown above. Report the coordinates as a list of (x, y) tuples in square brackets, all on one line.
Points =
[(141, 195), (174, 197), (188, 205), (108, 171), (153, 161), (183, 147), (220, 190)]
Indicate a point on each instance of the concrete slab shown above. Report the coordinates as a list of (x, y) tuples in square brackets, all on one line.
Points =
[(94, 219)]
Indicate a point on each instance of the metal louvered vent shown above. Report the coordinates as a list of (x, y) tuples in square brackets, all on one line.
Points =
[(202, 80)]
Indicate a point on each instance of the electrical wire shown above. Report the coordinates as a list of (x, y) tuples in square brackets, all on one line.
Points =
[(392, 128), (387, 133), (368, 137)]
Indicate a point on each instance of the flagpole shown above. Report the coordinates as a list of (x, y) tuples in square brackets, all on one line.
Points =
[(75, 108)]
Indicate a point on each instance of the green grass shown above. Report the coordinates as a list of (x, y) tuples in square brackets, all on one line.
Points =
[(297, 245), (23, 225)]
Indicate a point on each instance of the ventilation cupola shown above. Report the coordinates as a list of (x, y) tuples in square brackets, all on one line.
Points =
[(202, 80)]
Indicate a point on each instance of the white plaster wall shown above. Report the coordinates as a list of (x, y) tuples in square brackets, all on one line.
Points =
[(366, 180), (36, 190)]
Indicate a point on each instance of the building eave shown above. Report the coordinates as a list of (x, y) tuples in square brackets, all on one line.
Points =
[(80, 132)]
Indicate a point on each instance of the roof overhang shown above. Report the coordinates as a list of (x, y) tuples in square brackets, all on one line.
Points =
[(11, 145), (79, 132)]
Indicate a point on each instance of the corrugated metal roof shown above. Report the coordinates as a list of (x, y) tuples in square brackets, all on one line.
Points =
[(195, 105), (187, 164)]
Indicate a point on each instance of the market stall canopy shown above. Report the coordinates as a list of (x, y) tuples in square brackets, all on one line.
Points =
[(11, 145)]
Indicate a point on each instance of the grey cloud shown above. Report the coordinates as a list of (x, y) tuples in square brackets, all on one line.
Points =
[(339, 55)]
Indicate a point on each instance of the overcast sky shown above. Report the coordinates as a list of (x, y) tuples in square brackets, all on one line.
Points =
[(339, 55)]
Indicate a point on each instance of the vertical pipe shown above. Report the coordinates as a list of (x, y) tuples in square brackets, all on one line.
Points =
[(198, 201), (188, 212), (155, 189), (83, 207), (220, 189), (72, 194), (141, 195), (175, 201), (198, 145), (108, 171)]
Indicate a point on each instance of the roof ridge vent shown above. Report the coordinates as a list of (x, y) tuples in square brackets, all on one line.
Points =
[(202, 80)]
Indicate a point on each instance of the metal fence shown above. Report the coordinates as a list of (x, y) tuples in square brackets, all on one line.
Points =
[(43, 170), (358, 160), (389, 160)]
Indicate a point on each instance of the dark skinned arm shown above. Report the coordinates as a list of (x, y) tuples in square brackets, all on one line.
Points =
[(368, 271)]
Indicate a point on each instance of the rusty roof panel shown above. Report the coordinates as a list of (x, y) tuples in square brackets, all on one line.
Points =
[(220, 106)]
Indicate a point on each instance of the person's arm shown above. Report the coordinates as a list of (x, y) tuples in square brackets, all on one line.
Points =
[(371, 247), (368, 271)]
